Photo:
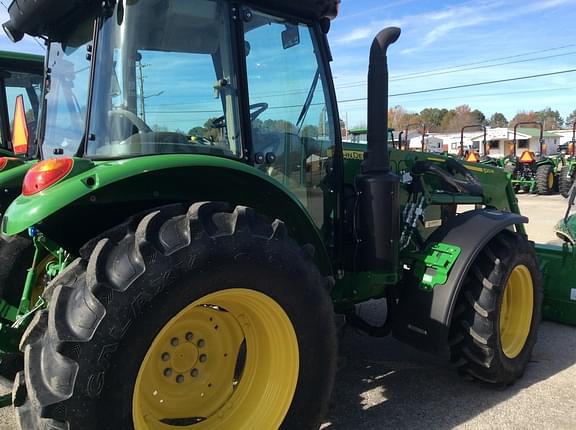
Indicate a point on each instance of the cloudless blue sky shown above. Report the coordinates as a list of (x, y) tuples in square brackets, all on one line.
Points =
[(441, 37)]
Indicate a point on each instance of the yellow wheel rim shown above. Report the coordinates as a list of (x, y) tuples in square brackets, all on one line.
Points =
[(550, 180), (516, 311), (40, 280), (227, 361)]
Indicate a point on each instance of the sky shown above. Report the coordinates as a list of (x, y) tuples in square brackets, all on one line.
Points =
[(452, 42), (449, 43)]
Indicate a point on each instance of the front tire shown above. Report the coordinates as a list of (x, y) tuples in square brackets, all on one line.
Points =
[(496, 319), (211, 317)]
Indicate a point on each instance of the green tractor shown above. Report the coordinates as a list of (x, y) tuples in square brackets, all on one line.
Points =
[(203, 227), (21, 77), (534, 173), (568, 169)]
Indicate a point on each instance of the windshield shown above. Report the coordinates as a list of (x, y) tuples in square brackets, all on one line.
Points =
[(66, 93), (165, 81)]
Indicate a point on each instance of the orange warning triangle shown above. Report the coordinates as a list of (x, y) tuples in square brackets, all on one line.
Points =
[(473, 157), (20, 128), (527, 157)]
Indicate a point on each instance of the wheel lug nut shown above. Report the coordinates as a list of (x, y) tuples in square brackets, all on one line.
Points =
[(167, 372), (201, 343), (180, 379), (165, 356), (189, 336), (174, 341), (203, 358), (194, 372)]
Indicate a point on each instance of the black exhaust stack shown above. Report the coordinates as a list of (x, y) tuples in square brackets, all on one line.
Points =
[(378, 209)]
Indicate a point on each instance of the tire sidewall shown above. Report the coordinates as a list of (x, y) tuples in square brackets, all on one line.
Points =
[(517, 364)]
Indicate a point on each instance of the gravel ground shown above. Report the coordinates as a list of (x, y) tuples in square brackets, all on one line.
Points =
[(385, 384)]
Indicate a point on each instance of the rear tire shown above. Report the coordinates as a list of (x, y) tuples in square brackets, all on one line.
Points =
[(565, 181), (545, 179), (502, 294), (157, 301), (16, 255)]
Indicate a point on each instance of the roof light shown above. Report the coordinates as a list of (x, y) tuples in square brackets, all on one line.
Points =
[(45, 174)]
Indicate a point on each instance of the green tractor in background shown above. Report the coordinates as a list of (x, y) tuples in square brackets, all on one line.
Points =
[(534, 173), (202, 224), (21, 77), (568, 170)]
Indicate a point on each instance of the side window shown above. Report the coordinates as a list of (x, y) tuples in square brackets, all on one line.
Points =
[(66, 99), (288, 107)]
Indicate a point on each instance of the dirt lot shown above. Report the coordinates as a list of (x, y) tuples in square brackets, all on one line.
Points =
[(385, 384)]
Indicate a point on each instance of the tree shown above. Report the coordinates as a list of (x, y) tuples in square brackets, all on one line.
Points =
[(459, 117), (550, 118), (524, 116), (433, 117), (570, 119), (397, 117), (498, 120), (310, 131), (479, 117)]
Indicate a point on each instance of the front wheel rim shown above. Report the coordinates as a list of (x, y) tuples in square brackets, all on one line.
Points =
[(550, 180), (228, 360), (516, 311)]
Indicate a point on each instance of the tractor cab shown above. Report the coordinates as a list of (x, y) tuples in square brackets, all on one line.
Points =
[(209, 78)]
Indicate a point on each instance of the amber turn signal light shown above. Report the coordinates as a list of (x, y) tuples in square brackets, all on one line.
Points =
[(45, 174)]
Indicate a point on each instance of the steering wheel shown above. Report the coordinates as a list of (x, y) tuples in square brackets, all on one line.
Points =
[(133, 118), (258, 108)]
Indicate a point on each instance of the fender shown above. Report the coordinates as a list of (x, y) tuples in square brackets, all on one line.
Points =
[(102, 195), (11, 181), (424, 318)]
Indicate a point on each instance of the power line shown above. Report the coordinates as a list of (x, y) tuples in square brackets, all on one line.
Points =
[(467, 69), (448, 69), (518, 78)]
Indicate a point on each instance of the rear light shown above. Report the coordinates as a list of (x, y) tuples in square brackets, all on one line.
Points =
[(46, 173), (3, 162)]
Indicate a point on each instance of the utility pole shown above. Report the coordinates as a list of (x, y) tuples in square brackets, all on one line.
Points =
[(141, 82)]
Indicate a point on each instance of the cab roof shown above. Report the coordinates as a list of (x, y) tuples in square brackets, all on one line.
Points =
[(52, 18)]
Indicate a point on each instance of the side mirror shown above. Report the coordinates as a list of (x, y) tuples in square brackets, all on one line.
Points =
[(20, 132)]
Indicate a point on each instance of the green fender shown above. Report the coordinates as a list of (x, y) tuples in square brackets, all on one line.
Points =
[(97, 196), (11, 180)]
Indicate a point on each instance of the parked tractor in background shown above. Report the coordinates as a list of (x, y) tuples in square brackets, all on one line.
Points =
[(568, 170), (204, 269), (422, 128), (534, 173), (21, 77), (470, 154)]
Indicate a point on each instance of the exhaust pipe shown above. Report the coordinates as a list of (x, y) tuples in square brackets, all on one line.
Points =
[(377, 159), (377, 215)]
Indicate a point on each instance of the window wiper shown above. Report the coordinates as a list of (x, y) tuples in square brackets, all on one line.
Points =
[(308, 101)]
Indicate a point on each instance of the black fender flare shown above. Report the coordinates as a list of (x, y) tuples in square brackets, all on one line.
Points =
[(423, 318)]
